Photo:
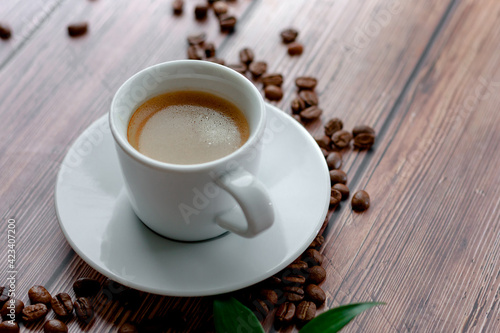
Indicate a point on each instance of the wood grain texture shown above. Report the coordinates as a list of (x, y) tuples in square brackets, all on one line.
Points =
[(424, 75)]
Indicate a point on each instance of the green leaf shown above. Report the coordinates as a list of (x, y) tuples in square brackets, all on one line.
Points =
[(335, 319), (231, 316)]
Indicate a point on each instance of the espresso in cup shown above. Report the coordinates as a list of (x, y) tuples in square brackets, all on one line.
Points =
[(187, 127)]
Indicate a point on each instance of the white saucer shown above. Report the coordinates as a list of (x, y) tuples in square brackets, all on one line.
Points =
[(98, 222)]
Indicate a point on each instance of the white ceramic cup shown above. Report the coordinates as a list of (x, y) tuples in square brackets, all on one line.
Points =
[(197, 201)]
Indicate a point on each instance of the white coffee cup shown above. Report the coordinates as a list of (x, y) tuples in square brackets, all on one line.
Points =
[(197, 201)]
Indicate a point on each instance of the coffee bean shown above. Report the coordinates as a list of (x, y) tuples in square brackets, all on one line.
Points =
[(9, 327), (341, 139), (38, 294), (77, 29), (364, 141), (62, 305), (34, 312), (298, 105), (200, 11), (247, 56), (262, 307), (317, 242), (305, 311), (195, 52), (240, 68), (128, 328), (297, 267), (313, 258), (289, 35), (220, 7), (338, 176), (216, 60), (315, 294), (291, 279), (362, 129), (227, 23), (306, 82), (55, 326), (324, 152), (83, 309), (178, 7), (5, 31), (333, 125), (360, 201), (273, 281), (311, 113), (273, 93), (285, 313), (12, 309), (86, 287), (209, 49), (323, 141), (269, 295), (257, 68), (335, 198), (316, 274), (334, 160), (295, 49), (4, 294), (309, 97), (343, 189), (274, 79), (293, 294)]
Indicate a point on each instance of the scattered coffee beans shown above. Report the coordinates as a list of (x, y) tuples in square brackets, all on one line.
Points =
[(289, 35), (178, 7), (335, 198), (9, 327), (309, 97), (38, 294), (195, 52), (316, 274), (295, 48), (247, 56), (293, 294), (323, 141), (34, 312), (262, 307), (220, 7), (364, 141), (306, 83), (333, 125), (83, 309), (4, 294), (334, 160), (227, 23), (200, 11), (77, 29), (285, 313), (315, 294), (128, 328), (240, 68), (86, 287), (306, 311), (55, 326), (197, 39), (273, 93), (18, 307), (269, 295), (317, 242), (338, 176), (298, 105), (5, 31), (313, 258), (341, 139), (360, 201), (362, 129), (62, 305), (273, 79), (343, 189), (311, 113), (257, 68)]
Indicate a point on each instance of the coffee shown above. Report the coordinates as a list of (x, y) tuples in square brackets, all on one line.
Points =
[(187, 127)]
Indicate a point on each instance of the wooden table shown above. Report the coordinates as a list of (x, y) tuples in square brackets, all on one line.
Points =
[(424, 74)]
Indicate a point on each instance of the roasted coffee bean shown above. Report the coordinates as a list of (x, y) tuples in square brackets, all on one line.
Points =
[(295, 49), (293, 294), (335, 198), (4, 294), (197, 39), (334, 160), (315, 294), (216, 60), (323, 141), (285, 313), (291, 279), (12, 309), (273, 281), (83, 309), (220, 7), (343, 189), (273, 93), (364, 141), (341, 139), (86, 287), (55, 326), (362, 129), (227, 23), (317, 242), (298, 105), (360, 201), (247, 56), (311, 113), (316, 274), (333, 125), (297, 267), (289, 35), (178, 7), (313, 258), (62, 305), (306, 83), (209, 49), (34, 312), (240, 68), (200, 11), (38, 294), (257, 68), (262, 307), (5, 31), (274, 79), (269, 295), (305, 311), (128, 328), (195, 52), (309, 97), (78, 29), (9, 327), (338, 176)]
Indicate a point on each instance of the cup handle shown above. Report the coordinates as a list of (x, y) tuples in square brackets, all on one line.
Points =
[(255, 212)]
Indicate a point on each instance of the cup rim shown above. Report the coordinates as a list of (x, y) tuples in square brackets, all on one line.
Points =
[(148, 161)]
